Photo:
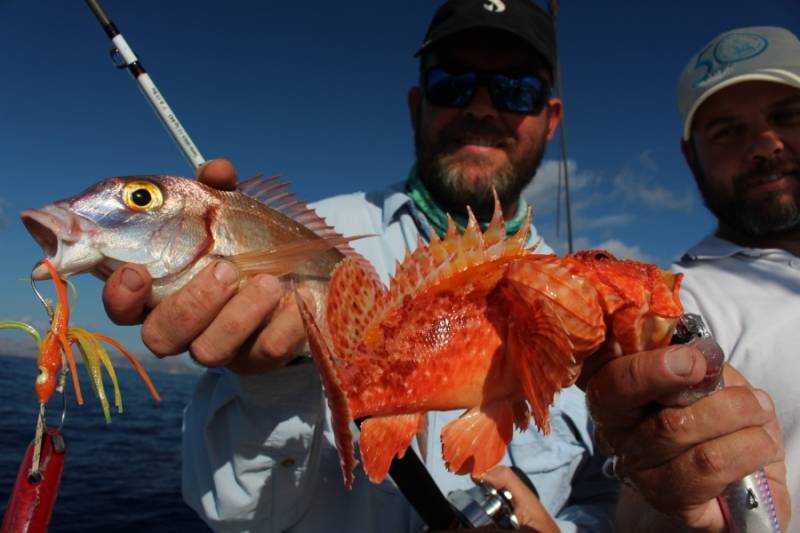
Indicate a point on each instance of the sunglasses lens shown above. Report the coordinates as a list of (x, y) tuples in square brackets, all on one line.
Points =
[(526, 94), (450, 90)]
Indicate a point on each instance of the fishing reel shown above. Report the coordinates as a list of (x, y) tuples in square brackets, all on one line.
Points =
[(485, 505)]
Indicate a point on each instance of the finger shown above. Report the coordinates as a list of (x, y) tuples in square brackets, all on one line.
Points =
[(527, 507), (620, 392), (702, 473), (125, 294), (608, 351), (277, 342), (184, 315), (218, 173), (671, 431), (238, 320)]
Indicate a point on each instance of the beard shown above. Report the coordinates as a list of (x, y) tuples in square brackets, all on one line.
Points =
[(469, 180), (770, 214)]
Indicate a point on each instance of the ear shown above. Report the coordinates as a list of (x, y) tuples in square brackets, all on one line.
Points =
[(415, 106), (555, 112)]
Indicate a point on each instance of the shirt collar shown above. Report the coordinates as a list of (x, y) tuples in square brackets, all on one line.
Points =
[(397, 202), (713, 247)]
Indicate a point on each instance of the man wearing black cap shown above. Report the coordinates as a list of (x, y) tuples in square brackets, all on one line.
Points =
[(258, 451)]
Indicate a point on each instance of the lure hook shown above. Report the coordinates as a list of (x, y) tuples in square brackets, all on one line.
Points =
[(45, 302)]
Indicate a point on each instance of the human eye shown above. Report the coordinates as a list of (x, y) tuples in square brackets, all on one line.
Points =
[(788, 116), (726, 133)]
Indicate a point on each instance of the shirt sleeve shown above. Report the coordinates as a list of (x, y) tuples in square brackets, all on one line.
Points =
[(592, 501), (251, 447)]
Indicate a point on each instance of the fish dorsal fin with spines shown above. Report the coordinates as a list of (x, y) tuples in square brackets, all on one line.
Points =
[(273, 193), (444, 258), (496, 232)]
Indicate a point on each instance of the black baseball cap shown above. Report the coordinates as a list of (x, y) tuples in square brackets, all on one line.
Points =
[(522, 18)]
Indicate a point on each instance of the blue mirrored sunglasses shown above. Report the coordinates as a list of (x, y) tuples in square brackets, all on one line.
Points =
[(526, 94)]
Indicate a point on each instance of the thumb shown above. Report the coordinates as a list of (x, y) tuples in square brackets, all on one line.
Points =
[(125, 294)]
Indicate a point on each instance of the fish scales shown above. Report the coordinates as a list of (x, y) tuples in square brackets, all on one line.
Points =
[(176, 226), (474, 322)]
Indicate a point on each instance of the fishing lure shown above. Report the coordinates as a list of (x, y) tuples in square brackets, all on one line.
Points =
[(36, 488)]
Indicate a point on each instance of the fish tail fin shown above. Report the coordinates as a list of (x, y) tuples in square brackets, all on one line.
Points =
[(384, 437), (477, 440), (337, 398), (538, 347)]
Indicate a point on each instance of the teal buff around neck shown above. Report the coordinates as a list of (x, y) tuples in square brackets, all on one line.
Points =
[(438, 217)]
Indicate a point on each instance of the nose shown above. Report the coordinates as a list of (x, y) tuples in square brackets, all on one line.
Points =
[(767, 144), (481, 105)]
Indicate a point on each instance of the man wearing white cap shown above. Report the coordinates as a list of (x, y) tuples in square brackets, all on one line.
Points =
[(739, 97), (740, 102)]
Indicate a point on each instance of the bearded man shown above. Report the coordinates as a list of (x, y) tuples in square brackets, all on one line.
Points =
[(258, 452), (739, 97)]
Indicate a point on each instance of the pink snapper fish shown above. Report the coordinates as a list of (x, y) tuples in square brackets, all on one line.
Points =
[(176, 226)]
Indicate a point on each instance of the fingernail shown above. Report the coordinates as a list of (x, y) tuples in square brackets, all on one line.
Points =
[(763, 400), (131, 280), (225, 273), (266, 282), (680, 361)]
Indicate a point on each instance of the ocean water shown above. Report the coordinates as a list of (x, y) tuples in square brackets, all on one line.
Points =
[(123, 476)]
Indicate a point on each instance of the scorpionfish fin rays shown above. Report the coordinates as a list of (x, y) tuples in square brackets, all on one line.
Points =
[(337, 400), (355, 301), (477, 440), (385, 437), (539, 350)]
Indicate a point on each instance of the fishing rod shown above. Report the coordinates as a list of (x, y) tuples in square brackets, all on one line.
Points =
[(124, 57), (563, 167)]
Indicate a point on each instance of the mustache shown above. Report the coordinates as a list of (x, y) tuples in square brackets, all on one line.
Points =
[(765, 169), (469, 127)]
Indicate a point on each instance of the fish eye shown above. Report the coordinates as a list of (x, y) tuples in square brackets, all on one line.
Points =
[(142, 196)]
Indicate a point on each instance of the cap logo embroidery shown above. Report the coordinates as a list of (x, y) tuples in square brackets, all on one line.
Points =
[(495, 6), (733, 48)]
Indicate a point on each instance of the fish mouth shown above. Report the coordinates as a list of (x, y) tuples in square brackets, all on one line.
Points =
[(55, 229)]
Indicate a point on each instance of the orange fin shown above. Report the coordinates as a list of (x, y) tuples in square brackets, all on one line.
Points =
[(477, 440), (456, 253), (286, 258), (384, 437), (539, 349), (337, 400), (355, 296), (522, 415)]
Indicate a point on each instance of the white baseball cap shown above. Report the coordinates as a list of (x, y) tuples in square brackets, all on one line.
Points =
[(758, 53)]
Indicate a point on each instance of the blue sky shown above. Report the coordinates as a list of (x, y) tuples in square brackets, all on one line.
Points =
[(316, 91)]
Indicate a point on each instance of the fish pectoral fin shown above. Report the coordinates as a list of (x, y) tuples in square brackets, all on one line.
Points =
[(477, 440), (334, 392), (384, 437), (539, 349), (285, 258)]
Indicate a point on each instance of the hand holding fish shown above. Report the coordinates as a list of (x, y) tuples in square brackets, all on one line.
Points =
[(197, 305), (680, 458)]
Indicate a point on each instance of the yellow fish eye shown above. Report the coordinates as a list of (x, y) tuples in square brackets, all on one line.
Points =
[(142, 195)]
